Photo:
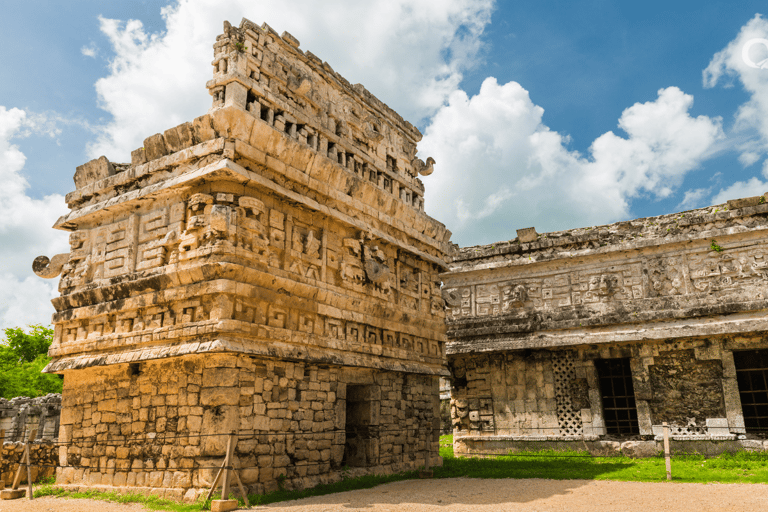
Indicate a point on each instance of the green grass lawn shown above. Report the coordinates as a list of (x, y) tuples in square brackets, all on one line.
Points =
[(743, 467)]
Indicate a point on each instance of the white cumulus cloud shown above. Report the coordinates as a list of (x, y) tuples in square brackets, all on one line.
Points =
[(501, 168), (25, 227), (409, 53), (89, 50), (751, 119), (749, 188), (695, 198)]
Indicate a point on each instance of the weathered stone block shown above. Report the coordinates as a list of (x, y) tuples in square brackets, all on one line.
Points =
[(223, 505), (232, 123), (12, 494), (138, 157), (527, 235), (218, 396), (93, 171), (639, 449), (202, 129), (155, 147)]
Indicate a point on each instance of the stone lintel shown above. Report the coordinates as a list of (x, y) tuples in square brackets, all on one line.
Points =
[(748, 322), (269, 349)]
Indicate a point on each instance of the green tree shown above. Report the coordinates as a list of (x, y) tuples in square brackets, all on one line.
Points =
[(23, 355)]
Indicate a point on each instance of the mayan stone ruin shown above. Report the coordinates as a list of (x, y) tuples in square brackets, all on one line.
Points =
[(594, 338), (265, 269), (19, 417)]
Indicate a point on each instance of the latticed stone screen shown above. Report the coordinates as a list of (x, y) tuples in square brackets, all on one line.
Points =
[(568, 416)]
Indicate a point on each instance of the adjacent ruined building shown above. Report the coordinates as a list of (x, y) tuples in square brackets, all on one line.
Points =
[(593, 338), (21, 415), (266, 269)]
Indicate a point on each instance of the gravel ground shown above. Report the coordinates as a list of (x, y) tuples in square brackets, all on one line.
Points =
[(476, 495), (49, 504)]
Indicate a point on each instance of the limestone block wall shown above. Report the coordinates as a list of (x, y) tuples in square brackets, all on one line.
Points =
[(44, 455), (161, 426), (547, 397), (20, 415), (534, 394)]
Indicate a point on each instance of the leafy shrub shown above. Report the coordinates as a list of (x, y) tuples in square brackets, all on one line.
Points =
[(23, 355)]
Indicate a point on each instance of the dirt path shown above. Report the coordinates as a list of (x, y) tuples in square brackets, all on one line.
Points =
[(476, 495), (466, 494)]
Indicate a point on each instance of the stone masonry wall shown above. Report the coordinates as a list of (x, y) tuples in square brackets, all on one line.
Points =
[(42, 453), (686, 391), (535, 394), (286, 224), (553, 396), (161, 426)]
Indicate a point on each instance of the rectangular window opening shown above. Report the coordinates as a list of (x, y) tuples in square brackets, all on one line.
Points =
[(618, 394), (752, 378)]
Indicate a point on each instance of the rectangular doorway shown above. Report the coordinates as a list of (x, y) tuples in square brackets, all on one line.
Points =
[(752, 376), (618, 394), (360, 427)]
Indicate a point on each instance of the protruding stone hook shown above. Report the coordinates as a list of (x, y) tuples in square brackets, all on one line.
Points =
[(421, 168), (49, 269), (451, 297), (429, 168)]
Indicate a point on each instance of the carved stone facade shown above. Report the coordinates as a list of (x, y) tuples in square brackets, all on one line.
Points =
[(557, 337), (250, 271)]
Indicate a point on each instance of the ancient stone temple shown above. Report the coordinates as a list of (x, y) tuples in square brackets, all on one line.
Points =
[(594, 338), (267, 269)]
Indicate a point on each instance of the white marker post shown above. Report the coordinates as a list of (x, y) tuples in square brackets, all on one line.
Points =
[(666, 451)]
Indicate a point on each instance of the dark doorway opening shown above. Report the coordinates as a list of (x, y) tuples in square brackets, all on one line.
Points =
[(618, 393), (361, 427), (752, 376)]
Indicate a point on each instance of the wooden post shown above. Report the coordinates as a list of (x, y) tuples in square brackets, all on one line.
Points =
[(2, 440), (242, 489), (214, 484), (666, 451), (224, 472), (227, 466), (25, 460), (29, 462)]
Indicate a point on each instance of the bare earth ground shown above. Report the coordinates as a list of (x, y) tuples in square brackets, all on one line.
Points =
[(473, 495)]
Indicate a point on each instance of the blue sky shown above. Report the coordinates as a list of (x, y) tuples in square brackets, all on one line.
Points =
[(548, 114)]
